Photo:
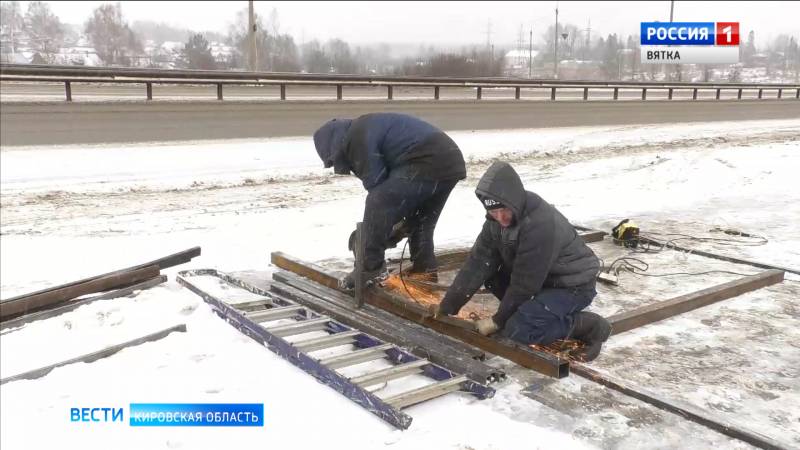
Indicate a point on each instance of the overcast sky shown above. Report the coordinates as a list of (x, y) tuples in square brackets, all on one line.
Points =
[(449, 23)]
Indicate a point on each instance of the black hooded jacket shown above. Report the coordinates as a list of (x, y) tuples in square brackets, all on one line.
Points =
[(378, 145), (539, 249)]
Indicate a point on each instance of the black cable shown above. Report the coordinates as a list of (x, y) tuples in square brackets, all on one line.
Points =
[(638, 267), (402, 280)]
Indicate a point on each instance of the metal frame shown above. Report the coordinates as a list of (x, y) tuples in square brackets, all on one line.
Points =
[(525, 356), (69, 75), (646, 315), (328, 376)]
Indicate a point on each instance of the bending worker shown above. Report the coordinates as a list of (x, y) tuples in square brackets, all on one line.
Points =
[(530, 257), (408, 167)]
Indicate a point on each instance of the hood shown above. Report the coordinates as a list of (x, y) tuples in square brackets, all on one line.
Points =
[(329, 140), (501, 183)]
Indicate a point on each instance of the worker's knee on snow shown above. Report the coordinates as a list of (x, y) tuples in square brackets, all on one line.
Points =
[(532, 323)]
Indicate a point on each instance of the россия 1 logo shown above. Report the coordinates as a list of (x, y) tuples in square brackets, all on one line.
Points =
[(689, 42)]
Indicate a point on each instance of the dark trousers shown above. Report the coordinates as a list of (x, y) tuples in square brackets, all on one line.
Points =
[(418, 201), (548, 316)]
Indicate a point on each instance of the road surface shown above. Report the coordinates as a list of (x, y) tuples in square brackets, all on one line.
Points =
[(58, 123)]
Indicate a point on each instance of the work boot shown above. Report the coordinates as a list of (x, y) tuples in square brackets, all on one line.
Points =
[(591, 329), (348, 283)]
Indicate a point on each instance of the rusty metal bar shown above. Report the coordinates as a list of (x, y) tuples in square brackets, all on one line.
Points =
[(479, 92), (338, 92), (668, 308), (644, 93), (553, 93), (586, 93), (68, 90), (718, 93), (780, 93), (517, 93), (682, 409), (389, 92), (616, 93), (694, 94), (71, 305), (283, 92), (670, 94), (760, 93), (739, 94), (35, 302), (149, 90), (162, 263), (219, 91), (436, 92)]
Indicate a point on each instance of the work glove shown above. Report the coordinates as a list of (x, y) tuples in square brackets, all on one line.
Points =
[(486, 326), (376, 276)]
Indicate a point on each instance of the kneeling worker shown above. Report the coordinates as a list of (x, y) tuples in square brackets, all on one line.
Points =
[(530, 257)]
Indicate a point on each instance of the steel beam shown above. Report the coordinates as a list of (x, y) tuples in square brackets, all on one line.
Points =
[(94, 356), (668, 308), (684, 410)]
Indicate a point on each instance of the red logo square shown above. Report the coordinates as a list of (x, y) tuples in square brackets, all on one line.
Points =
[(727, 33)]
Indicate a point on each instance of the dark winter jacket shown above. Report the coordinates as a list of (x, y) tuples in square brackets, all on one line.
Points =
[(539, 249), (379, 145)]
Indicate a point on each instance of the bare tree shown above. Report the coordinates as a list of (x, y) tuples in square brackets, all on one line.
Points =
[(342, 61), (314, 58), (45, 30), (112, 38), (12, 24)]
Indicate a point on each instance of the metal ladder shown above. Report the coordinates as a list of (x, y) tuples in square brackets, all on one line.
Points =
[(253, 319)]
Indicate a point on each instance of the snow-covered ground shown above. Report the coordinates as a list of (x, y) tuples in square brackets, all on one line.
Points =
[(71, 212)]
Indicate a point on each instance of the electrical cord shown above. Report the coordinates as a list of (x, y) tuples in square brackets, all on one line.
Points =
[(638, 267)]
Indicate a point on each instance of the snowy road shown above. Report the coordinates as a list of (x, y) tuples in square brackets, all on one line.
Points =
[(70, 212)]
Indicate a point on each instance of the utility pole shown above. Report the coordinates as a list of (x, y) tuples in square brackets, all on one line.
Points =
[(555, 47), (251, 29), (671, 9), (588, 39), (530, 54)]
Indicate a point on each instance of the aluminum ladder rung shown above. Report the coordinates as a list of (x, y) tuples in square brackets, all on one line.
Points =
[(299, 327), (252, 304), (424, 393), (356, 357), (280, 312), (341, 338), (390, 373)]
